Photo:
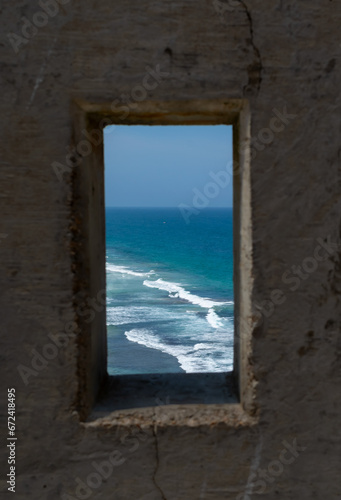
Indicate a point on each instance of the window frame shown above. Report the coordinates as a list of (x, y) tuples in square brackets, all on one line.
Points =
[(88, 227)]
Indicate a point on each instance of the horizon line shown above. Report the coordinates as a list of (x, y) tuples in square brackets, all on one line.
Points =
[(164, 206)]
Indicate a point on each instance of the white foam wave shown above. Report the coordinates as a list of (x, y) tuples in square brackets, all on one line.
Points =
[(124, 270), (213, 319), (200, 358), (176, 291), (144, 337), (122, 315), (207, 346)]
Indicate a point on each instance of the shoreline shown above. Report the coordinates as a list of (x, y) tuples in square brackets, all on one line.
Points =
[(129, 358)]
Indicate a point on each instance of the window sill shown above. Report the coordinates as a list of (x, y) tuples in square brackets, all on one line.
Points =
[(169, 399)]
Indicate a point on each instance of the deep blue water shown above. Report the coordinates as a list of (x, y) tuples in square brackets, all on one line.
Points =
[(169, 290)]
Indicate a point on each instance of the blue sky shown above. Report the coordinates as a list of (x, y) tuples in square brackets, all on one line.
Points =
[(165, 166)]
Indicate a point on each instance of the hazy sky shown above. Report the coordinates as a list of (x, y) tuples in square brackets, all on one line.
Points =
[(159, 166)]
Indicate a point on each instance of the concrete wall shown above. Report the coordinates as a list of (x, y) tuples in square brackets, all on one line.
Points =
[(283, 60)]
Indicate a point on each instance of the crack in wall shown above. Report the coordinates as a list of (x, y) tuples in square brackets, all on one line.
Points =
[(255, 69), (157, 460)]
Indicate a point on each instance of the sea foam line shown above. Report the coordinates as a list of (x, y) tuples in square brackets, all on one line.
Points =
[(124, 270), (197, 358), (121, 315), (213, 319), (175, 290)]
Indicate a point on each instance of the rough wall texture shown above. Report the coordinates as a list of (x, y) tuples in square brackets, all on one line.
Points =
[(284, 58)]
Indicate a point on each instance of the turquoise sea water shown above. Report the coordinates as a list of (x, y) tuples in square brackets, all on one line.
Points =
[(169, 290)]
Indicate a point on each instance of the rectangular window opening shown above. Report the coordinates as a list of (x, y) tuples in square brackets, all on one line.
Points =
[(169, 252)]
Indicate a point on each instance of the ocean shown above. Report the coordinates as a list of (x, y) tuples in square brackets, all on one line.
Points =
[(169, 291)]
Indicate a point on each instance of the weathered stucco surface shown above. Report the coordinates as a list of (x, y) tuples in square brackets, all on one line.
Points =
[(282, 58)]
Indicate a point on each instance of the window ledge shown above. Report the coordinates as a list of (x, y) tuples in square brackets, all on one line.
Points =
[(169, 399)]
